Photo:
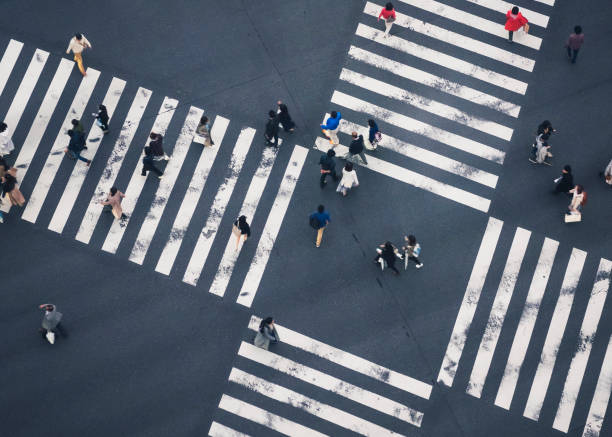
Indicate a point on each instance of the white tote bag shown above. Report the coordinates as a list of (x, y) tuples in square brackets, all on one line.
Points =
[(51, 337)]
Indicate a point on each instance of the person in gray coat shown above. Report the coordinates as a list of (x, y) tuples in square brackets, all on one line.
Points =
[(51, 320), (267, 333)]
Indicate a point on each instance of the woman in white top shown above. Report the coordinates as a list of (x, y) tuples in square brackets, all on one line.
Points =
[(578, 199), (349, 179)]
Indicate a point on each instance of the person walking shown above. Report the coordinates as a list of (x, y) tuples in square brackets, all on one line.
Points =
[(157, 147), (319, 220), (387, 253), (76, 146), (411, 250), (102, 118), (77, 126), (565, 182), (330, 128), (284, 118), (573, 44), (328, 167), (388, 14), (374, 135), (272, 129), (10, 188), (356, 148), (607, 174), (51, 322), (349, 179), (6, 144), (203, 130), (113, 203), (266, 334), (241, 229), (148, 164), (579, 199), (515, 21), (543, 133), (77, 44)]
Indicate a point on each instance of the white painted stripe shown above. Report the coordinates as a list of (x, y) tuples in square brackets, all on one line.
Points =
[(113, 165), (448, 369), (424, 155), (498, 312), (249, 206), (503, 7), (436, 82), (11, 53), (442, 59), (547, 2), (599, 404), (74, 184), (173, 168), (332, 384), (425, 104), (505, 393), (56, 155), (137, 181), (265, 418), (219, 430), (456, 39), (412, 125), (272, 227), (573, 381), (192, 197), (474, 21), (309, 405), (554, 335), (348, 360), (37, 130)]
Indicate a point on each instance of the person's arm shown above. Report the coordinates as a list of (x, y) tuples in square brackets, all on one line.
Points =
[(121, 194), (69, 47), (380, 15), (86, 42)]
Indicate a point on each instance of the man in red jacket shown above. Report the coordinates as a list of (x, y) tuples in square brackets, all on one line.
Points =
[(514, 21)]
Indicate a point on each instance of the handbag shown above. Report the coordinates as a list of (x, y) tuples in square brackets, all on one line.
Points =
[(50, 337), (609, 179), (526, 27), (390, 20), (573, 218), (236, 231)]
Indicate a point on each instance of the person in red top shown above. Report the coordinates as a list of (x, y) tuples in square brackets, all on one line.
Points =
[(388, 14), (514, 21)]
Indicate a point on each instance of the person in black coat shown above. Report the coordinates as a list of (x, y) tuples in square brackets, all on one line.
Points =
[(102, 118), (241, 229), (566, 182), (284, 118), (272, 129), (356, 148), (76, 146), (148, 165), (328, 166)]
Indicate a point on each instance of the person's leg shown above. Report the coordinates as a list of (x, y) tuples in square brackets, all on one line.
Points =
[(156, 170), (575, 54), (363, 156), (510, 35), (320, 235), (1, 217), (78, 58), (569, 52), (238, 241), (335, 176), (391, 265), (387, 27), (333, 136), (144, 170), (322, 180), (80, 158), (417, 261), (275, 140)]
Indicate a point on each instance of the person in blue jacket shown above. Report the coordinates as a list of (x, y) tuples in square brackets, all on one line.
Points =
[(330, 128)]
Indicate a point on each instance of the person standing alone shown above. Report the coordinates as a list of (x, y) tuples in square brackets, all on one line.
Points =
[(319, 220), (241, 228), (388, 14), (514, 21), (77, 44), (573, 44), (113, 203)]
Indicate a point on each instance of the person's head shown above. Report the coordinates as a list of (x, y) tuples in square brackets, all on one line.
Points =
[(279, 102), (242, 219), (147, 151), (515, 10), (265, 322), (579, 189), (70, 132), (49, 307), (74, 122), (334, 114), (320, 208), (348, 166), (388, 245), (102, 108), (3, 126), (153, 135), (354, 134), (331, 153), (389, 6), (113, 191), (371, 123), (411, 239), (577, 30), (567, 169), (271, 114), (78, 36), (204, 120)]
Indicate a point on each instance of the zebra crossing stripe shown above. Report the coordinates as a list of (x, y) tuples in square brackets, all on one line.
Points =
[(456, 39), (498, 312), (412, 125), (137, 181), (327, 382), (436, 82), (505, 392), (47, 175), (547, 2), (37, 130), (265, 418), (113, 165), (448, 369), (77, 177), (586, 338), (599, 404), (173, 168), (348, 360), (272, 227), (309, 405), (249, 206), (503, 7), (554, 336), (425, 104), (192, 197), (11, 54), (474, 21), (219, 430)]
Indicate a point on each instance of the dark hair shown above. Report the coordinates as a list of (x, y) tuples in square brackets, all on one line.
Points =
[(272, 114), (283, 108), (102, 107), (49, 307), (389, 6), (577, 30), (567, 168), (389, 246), (320, 208), (242, 219), (348, 166), (78, 35), (354, 134), (148, 151), (331, 153), (515, 10), (74, 122), (153, 135), (579, 189), (543, 126), (371, 123), (70, 132), (412, 239), (204, 119), (3, 126), (334, 114), (265, 322), (113, 190)]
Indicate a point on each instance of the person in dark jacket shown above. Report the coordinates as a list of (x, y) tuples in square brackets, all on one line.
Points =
[(284, 118), (102, 118), (388, 252), (76, 146), (242, 229), (328, 166), (51, 321), (267, 333), (148, 165), (543, 133), (157, 147), (372, 137), (565, 182), (356, 148), (272, 129)]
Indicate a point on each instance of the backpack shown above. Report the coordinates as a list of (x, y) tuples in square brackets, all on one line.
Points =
[(314, 222)]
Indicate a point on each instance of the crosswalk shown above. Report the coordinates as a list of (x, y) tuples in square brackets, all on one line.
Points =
[(522, 355), (279, 361)]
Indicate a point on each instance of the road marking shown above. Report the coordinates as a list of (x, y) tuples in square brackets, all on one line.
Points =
[(308, 405), (448, 369), (79, 172), (599, 404), (330, 383), (592, 315), (248, 209), (505, 392), (442, 59), (192, 197), (171, 172), (456, 39), (554, 336), (503, 7), (11, 54), (272, 227), (436, 82), (498, 312), (265, 418), (113, 165), (547, 2), (348, 360), (56, 155), (219, 430), (425, 104)]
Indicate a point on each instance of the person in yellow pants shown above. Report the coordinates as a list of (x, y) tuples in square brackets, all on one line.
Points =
[(319, 220), (77, 44)]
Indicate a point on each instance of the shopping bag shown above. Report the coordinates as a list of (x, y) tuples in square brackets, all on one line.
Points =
[(573, 218), (50, 336)]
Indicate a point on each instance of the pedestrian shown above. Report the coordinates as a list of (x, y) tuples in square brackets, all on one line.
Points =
[(284, 118), (515, 21), (77, 44), (388, 14), (241, 228), (374, 135), (543, 133), (76, 146), (272, 129), (112, 203), (565, 182), (51, 322), (319, 220), (328, 167), (203, 130), (6, 144), (607, 174), (412, 250), (356, 148), (10, 187), (102, 118), (349, 179), (77, 126), (579, 200), (330, 128), (148, 164), (157, 147), (387, 253), (573, 44), (267, 333)]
